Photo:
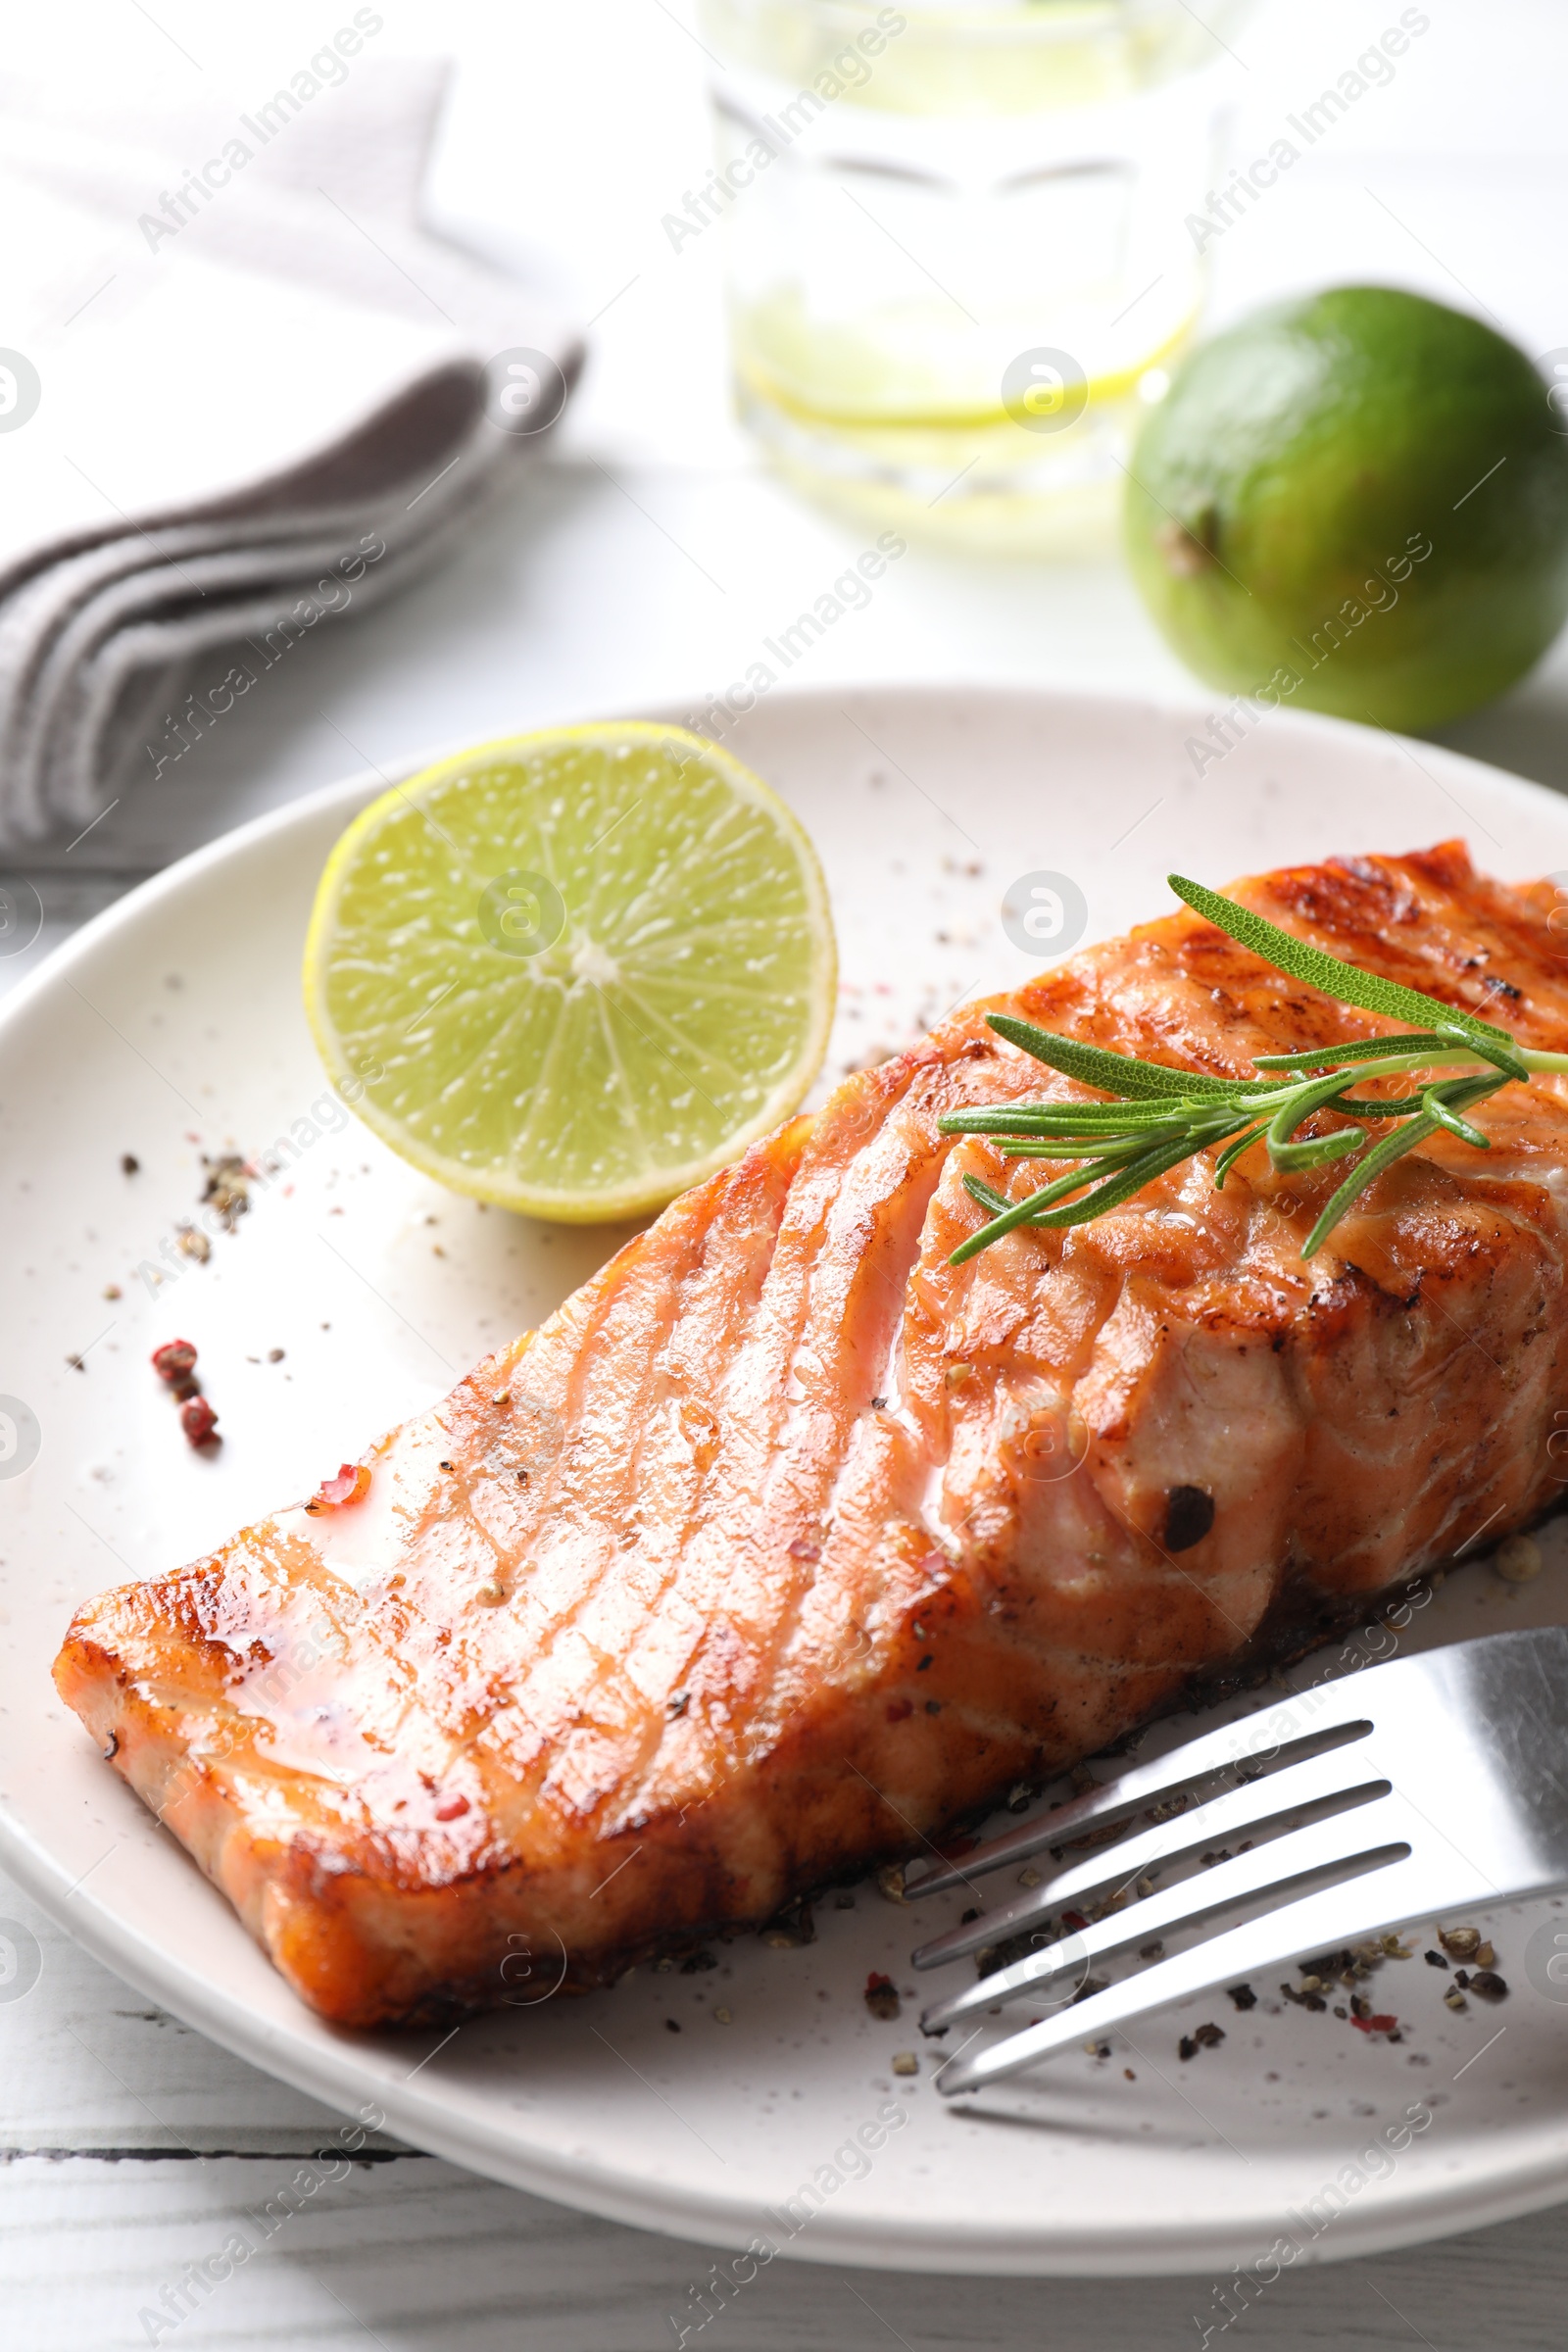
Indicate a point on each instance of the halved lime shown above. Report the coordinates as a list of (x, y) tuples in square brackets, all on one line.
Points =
[(574, 972)]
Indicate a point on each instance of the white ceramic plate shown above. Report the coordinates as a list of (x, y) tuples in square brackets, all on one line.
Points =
[(171, 1026)]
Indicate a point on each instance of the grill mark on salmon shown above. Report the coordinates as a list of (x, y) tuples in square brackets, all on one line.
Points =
[(786, 1548)]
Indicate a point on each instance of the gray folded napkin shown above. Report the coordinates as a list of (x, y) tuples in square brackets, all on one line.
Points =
[(248, 392)]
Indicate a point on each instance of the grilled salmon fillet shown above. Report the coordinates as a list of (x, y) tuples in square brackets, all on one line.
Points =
[(785, 1547)]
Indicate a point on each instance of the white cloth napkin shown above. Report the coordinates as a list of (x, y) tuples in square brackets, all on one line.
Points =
[(241, 390)]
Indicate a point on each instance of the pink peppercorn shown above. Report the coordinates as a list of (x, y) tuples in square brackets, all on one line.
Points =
[(198, 1420)]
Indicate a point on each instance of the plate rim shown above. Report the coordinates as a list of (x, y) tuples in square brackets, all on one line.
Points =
[(237, 840), (342, 2070)]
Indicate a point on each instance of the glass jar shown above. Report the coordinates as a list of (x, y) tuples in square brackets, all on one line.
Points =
[(962, 248)]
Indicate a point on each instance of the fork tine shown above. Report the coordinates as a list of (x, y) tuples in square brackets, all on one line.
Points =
[(1327, 1846), (1395, 1891), (1326, 1715), (1474, 1731), (1323, 1781)]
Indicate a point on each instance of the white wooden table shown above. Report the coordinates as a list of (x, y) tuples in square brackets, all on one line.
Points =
[(644, 558)]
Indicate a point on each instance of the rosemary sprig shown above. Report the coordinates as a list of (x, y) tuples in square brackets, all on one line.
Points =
[(1158, 1116)]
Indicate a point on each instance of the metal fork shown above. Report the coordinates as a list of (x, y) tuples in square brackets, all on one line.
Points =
[(1401, 1792)]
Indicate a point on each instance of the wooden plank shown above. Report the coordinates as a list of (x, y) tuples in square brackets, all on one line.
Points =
[(423, 2258), (130, 2149)]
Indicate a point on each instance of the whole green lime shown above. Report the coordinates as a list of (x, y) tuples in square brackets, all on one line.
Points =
[(1358, 502)]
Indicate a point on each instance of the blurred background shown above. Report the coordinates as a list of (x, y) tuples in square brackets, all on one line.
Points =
[(651, 543)]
